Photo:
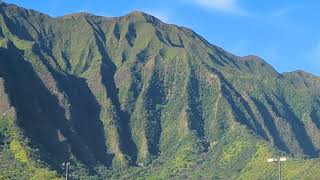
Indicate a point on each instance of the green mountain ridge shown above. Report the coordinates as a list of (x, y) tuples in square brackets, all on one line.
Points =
[(134, 98)]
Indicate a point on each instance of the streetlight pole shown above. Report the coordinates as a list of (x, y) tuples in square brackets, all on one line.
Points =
[(279, 160), (66, 165), (279, 170)]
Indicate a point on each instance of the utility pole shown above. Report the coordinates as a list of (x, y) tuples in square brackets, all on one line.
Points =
[(279, 160), (279, 170), (66, 166)]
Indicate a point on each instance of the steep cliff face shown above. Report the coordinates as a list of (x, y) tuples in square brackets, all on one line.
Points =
[(133, 91)]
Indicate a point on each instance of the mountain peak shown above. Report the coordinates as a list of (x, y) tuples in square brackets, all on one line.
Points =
[(302, 74), (136, 13), (139, 16), (77, 14), (251, 57)]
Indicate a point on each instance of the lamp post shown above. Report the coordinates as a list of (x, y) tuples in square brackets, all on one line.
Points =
[(278, 160), (66, 166)]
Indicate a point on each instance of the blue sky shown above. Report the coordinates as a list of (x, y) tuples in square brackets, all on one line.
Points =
[(285, 33)]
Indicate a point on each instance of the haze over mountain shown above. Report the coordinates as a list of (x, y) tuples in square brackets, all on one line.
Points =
[(133, 97)]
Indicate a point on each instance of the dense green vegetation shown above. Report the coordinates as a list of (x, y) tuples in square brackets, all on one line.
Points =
[(134, 98)]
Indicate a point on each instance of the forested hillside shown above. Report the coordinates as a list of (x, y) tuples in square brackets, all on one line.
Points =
[(132, 97)]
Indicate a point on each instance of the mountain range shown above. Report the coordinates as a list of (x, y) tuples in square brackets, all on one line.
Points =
[(132, 97)]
